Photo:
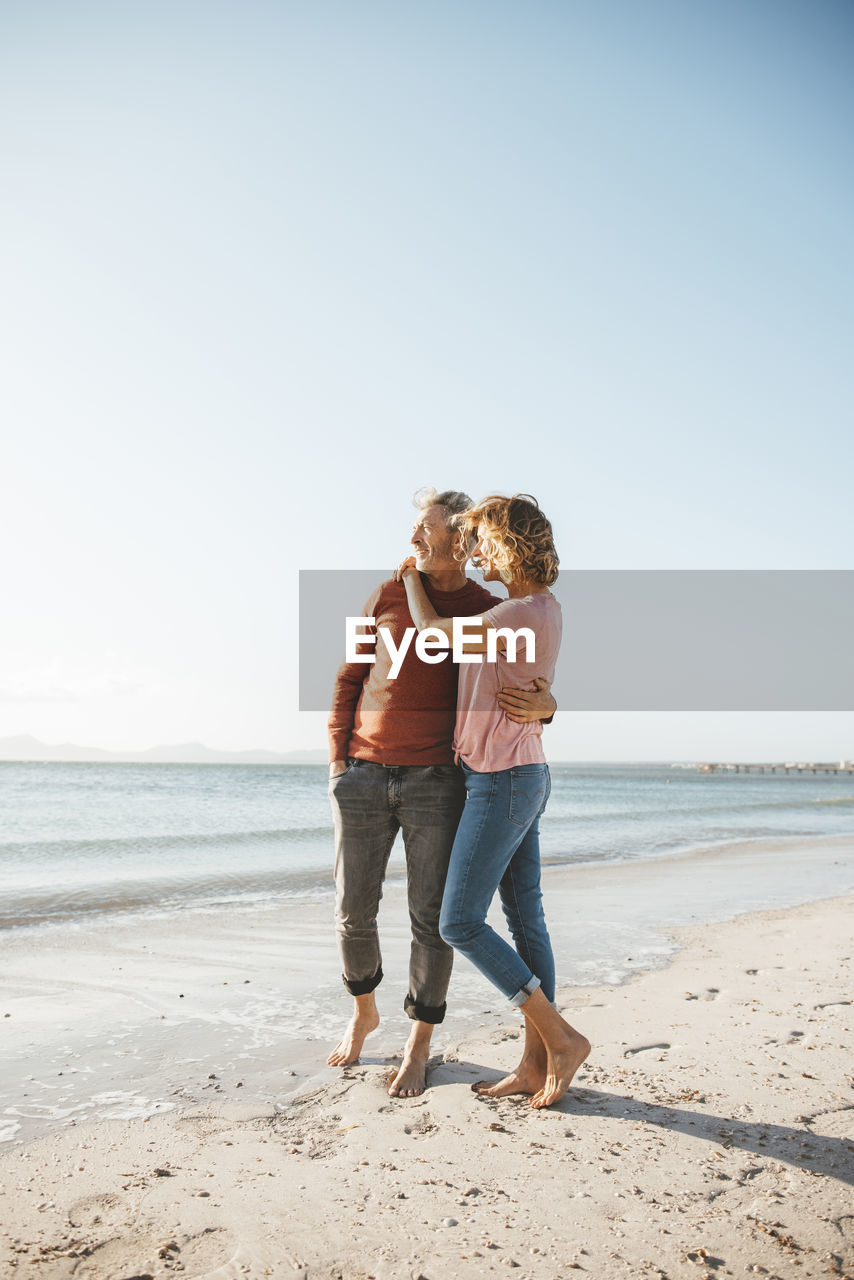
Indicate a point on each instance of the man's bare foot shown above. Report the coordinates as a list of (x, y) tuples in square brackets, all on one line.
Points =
[(527, 1078), (563, 1062), (411, 1079), (348, 1048)]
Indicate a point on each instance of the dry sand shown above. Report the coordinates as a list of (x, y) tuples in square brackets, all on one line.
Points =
[(709, 1135)]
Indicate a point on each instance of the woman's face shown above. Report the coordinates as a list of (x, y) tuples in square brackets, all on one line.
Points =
[(480, 555)]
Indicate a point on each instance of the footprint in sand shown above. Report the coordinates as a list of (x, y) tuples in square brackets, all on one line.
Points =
[(98, 1211), (423, 1125), (212, 1251), (207, 1250), (645, 1048)]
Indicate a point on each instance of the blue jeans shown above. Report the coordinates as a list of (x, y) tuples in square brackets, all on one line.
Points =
[(497, 846)]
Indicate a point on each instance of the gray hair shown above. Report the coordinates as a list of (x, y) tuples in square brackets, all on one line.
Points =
[(454, 503)]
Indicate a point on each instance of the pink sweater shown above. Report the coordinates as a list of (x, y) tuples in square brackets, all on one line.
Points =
[(484, 738)]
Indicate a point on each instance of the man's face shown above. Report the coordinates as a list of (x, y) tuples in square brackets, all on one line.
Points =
[(433, 542)]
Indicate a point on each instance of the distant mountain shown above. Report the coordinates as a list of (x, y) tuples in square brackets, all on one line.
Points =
[(24, 747)]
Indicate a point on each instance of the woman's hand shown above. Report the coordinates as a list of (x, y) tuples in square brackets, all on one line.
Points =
[(406, 566)]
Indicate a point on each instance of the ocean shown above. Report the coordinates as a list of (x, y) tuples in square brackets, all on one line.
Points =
[(96, 839)]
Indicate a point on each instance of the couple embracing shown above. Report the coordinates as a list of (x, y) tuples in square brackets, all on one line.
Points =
[(450, 754)]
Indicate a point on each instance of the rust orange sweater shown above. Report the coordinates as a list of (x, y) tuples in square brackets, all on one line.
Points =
[(409, 720)]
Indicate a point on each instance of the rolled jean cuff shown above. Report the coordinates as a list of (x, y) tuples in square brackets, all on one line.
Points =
[(419, 1012), (362, 986), (527, 989)]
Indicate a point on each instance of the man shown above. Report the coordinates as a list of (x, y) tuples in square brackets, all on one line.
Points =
[(392, 768)]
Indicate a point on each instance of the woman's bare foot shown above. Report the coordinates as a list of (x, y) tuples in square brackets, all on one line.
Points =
[(563, 1062), (528, 1077), (518, 1081), (365, 1019), (565, 1048), (411, 1079)]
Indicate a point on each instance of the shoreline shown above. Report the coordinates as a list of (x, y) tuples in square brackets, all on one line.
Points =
[(139, 1015), (317, 887), (710, 1133)]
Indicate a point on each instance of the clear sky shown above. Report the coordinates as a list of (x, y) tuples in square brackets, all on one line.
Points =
[(269, 267)]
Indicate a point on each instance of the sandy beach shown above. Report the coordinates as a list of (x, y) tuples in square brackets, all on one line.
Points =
[(709, 1134)]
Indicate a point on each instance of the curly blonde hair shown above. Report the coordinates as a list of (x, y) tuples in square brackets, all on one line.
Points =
[(517, 537)]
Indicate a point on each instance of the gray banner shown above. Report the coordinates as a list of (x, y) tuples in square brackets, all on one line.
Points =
[(650, 640)]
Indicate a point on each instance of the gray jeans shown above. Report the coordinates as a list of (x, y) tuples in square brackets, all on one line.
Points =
[(370, 804)]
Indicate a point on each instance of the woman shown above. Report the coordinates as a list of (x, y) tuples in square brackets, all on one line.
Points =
[(507, 786)]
